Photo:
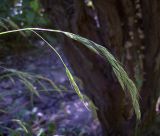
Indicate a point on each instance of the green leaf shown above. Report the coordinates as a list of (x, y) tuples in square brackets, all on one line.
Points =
[(51, 128), (34, 5)]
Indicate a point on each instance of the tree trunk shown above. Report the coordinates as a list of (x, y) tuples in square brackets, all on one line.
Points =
[(119, 25), (151, 85)]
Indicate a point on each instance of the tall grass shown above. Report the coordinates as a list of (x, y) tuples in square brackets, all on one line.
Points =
[(125, 82)]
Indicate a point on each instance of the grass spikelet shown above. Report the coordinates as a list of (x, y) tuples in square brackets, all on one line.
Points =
[(125, 82)]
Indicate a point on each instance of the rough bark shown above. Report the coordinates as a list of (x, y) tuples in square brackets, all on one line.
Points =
[(119, 27), (151, 86)]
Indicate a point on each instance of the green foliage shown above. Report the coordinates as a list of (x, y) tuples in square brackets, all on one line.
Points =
[(126, 83), (23, 12), (16, 14), (5, 6)]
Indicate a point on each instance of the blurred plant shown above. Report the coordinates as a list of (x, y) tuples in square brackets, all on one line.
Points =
[(26, 129), (16, 14), (28, 80), (23, 12)]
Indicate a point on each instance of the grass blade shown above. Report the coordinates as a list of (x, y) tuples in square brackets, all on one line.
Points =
[(21, 124), (126, 83)]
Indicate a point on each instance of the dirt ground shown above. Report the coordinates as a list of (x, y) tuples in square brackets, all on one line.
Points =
[(63, 112)]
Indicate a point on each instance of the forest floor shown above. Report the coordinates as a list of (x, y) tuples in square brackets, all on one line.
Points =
[(50, 113)]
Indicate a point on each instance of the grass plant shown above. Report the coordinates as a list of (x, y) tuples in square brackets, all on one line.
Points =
[(126, 83)]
